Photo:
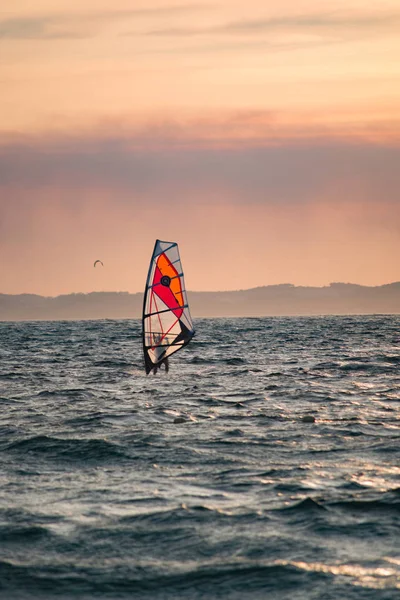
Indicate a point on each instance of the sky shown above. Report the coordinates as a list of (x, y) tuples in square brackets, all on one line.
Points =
[(263, 137)]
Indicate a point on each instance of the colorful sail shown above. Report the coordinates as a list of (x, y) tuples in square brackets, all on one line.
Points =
[(167, 324)]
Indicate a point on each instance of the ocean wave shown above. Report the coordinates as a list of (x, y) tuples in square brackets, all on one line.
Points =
[(71, 394), (112, 363), (369, 506), (207, 581), (304, 506), (23, 534), (199, 360), (68, 449), (235, 360)]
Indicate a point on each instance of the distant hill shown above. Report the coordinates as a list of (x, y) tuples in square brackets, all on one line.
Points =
[(272, 300)]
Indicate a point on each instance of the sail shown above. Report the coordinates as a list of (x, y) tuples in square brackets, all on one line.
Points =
[(167, 324)]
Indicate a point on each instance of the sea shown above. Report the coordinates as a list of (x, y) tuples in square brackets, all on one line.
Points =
[(264, 465)]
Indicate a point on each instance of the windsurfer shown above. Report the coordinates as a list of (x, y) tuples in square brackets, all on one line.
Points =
[(166, 322)]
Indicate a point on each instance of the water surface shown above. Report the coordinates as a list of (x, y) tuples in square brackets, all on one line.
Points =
[(104, 495)]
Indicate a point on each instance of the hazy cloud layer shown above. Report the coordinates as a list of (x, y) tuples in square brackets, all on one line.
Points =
[(289, 172)]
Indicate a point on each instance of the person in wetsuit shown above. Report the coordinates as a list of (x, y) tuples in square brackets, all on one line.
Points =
[(157, 337), (163, 362)]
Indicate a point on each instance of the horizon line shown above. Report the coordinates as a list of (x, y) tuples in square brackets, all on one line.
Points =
[(275, 285)]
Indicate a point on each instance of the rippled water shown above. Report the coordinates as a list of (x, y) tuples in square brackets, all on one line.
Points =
[(104, 495)]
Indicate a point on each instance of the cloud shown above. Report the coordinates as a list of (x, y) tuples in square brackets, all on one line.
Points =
[(316, 21), (324, 25), (44, 28), (80, 25)]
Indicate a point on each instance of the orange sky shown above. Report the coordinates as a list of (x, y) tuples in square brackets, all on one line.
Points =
[(263, 137)]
